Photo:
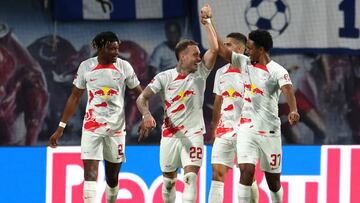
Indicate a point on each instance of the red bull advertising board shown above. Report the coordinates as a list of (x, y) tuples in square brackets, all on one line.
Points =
[(311, 174)]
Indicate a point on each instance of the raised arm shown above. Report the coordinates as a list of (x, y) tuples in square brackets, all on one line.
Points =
[(211, 54), (70, 108), (224, 52), (288, 92)]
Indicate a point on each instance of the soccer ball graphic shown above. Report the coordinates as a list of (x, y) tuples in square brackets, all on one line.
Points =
[(270, 15)]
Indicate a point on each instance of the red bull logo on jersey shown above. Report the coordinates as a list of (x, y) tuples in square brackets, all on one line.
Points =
[(106, 92), (231, 93), (183, 95), (253, 90)]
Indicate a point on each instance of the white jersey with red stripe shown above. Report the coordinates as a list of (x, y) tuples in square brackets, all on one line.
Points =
[(105, 86), (229, 84), (260, 111), (183, 98)]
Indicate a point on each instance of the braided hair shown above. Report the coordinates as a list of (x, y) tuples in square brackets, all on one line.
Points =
[(102, 39)]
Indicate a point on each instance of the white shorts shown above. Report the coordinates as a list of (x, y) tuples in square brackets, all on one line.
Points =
[(224, 151), (180, 152), (100, 147), (251, 146)]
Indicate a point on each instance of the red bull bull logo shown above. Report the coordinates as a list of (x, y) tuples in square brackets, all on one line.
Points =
[(247, 87), (258, 91), (252, 89), (106, 92), (183, 95), (231, 93)]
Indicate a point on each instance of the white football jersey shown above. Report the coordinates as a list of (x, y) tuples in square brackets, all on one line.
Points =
[(183, 98), (105, 86), (262, 93), (229, 84)]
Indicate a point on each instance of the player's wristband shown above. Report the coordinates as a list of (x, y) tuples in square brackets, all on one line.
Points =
[(145, 115), (62, 124)]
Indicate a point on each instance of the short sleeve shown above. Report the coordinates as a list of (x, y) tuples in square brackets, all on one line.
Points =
[(216, 89), (282, 76), (156, 84), (131, 79), (202, 70), (79, 79)]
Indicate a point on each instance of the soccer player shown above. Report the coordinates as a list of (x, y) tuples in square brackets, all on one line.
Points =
[(229, 93), (259, 129), (105, 77), (182, 91)]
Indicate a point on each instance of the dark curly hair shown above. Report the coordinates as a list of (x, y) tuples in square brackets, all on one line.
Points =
[(104, 38), (261, 38)]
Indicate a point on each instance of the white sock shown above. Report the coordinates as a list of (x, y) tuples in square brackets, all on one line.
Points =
[(276, 197), (254, 193), (216, 192), (89, 191), (189, 195), (111, 194), (168, 190), (244, 193)]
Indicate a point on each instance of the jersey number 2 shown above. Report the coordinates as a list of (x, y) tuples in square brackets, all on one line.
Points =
[(120, 149)]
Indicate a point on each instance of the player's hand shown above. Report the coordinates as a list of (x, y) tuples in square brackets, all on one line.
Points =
[(293, 117), (149, 121), (53, 141), (143, 132), (206, 12)]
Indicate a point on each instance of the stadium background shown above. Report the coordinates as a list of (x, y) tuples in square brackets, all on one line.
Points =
[(318, 41)]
